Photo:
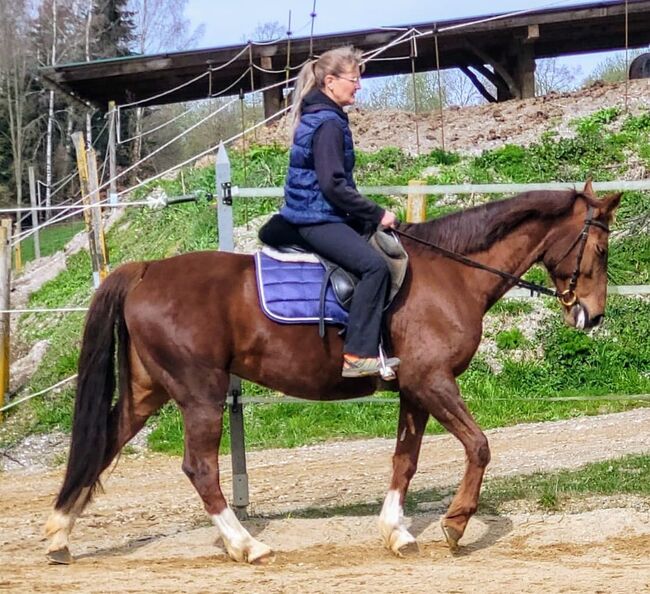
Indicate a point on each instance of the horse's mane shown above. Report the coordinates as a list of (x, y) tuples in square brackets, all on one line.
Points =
[(476, 229)]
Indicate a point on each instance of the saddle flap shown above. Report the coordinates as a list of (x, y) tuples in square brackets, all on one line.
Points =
[(389, 246)]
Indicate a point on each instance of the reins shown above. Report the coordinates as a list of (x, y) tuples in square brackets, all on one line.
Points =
[(516, 280), (567, 297)]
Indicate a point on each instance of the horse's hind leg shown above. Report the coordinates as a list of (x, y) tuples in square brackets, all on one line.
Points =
[(412, 422), (203, 419), (126, 419), (450, 410)]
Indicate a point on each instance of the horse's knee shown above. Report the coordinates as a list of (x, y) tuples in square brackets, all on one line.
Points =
[(480, 452)]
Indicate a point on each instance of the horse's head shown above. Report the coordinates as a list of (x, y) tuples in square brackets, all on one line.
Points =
[(576, 258)]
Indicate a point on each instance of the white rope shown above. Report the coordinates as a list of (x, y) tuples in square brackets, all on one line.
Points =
[(503, 16), (189, 82), (43, 310), (159, 127), (415, 33), (406, 36), (283, 70), (205, 152), (167, 92), (55, 219), (166, 144), (223, 91), (30, 396)]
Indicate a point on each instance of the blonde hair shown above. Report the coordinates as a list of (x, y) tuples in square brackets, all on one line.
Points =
[(312, 75)]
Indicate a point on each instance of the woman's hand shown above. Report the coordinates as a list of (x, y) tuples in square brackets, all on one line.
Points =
[(388, 220)]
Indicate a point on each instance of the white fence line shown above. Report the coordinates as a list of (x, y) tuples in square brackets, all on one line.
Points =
[(622, 185)]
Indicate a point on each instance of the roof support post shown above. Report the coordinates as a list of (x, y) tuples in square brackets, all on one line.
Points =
[(273, 98), (525, 69)]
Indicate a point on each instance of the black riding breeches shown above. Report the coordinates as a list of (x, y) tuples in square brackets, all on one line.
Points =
[(342, 245)]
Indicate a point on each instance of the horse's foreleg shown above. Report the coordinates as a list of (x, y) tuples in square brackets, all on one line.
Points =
[(126, 419), (203, 426), (412, 422), (452, 413)]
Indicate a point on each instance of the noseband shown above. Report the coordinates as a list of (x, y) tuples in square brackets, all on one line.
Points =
[(567, 297)]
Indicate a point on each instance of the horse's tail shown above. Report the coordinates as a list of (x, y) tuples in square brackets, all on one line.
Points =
[(95, 425)]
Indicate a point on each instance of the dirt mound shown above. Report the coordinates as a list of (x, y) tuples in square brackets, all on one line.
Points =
[(476, 128)]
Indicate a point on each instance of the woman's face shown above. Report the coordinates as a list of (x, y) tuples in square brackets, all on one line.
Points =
[(342, 88)]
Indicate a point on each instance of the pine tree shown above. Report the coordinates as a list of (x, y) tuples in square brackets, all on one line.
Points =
[(111, 29)]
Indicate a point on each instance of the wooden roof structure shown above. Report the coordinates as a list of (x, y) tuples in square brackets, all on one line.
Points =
[(502, 48)]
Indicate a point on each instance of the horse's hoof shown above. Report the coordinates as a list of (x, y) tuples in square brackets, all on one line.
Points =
[(266, 559), (409, 549), (59, 557), (402, 544), (452, 536), (260, 554)]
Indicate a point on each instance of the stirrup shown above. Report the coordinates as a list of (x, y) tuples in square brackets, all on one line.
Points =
[(368, 366), (386, 366)]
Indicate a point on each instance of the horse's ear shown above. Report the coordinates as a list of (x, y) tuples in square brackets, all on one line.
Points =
[(589, 189), (609, 203)]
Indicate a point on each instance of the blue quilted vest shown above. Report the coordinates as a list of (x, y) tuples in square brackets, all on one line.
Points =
[(305, 204)]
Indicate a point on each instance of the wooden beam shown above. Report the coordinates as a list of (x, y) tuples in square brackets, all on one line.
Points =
[(480, 87), (498, 68)]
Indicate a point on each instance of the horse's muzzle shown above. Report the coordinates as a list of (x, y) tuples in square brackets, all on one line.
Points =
[(581, 317)]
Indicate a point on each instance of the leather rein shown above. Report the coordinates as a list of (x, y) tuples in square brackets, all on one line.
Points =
[(566, 297)]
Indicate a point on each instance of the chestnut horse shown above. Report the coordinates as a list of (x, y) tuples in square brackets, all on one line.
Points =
[(182, 325)]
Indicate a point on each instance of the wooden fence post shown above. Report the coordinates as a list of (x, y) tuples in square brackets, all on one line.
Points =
[(240, 495), (416, 205), (96, 214), (82, 166), (34, 203), (5, 288)]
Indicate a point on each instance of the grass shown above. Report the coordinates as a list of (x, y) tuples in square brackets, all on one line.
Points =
[(548, 491), (51, 239), (573, 364), (551, 491)]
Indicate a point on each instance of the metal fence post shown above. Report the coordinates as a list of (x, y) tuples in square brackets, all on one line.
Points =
[(5, 289), (34, 204), (240, 498)]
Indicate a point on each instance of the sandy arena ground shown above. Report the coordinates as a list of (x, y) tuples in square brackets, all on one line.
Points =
[(148, 532)]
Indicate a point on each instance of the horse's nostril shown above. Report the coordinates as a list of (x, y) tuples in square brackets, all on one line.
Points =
[(597, 320)]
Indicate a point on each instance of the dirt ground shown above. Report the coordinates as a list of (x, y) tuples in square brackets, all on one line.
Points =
[(148, 533), (475, 128)]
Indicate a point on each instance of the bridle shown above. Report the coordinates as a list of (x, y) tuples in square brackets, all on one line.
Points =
[(567, 297)]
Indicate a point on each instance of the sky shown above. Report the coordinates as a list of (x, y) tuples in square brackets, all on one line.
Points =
[(232, 25)]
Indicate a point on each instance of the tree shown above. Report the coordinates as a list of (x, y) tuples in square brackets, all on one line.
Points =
[(111, 29), (270, 31), (16, 82), (396, 92), (550, 76), (614, 68), (158, 25)]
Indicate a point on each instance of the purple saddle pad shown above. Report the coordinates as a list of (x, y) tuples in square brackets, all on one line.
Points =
[(290, 292)]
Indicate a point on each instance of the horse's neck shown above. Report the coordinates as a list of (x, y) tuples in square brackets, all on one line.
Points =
[(514, 253)]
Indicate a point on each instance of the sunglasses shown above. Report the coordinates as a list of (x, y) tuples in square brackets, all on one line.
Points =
[(353, 79)]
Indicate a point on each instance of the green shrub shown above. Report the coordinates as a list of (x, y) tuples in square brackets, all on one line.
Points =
[(510, 339)]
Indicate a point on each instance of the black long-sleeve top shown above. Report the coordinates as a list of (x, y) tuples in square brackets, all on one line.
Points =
[(328, 150)]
